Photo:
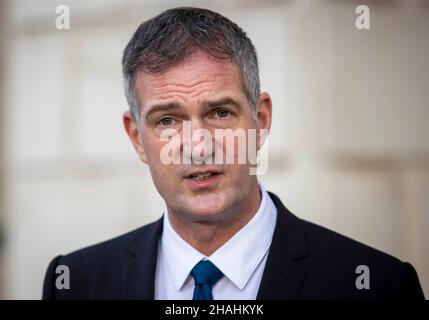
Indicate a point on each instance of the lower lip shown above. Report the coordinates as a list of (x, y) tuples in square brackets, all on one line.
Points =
[(207, 183)]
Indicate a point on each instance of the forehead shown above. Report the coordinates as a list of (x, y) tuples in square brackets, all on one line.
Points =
[(199, 76)]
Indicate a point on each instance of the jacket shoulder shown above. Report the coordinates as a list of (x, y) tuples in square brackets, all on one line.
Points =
[(340, 261), (95, 268), (331, 243)]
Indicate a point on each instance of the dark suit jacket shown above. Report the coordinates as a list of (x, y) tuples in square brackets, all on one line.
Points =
[(305, 261)]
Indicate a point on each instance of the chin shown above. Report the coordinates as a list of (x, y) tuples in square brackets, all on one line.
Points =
[(205, 207)]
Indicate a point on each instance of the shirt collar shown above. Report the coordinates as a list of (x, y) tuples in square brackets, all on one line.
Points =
[(246, 248), (179, 256)]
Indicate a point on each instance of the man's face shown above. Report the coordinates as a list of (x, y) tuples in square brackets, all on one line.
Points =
[(206, 93)]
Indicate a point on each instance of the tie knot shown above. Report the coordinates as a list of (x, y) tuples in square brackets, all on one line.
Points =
[(206, 272)]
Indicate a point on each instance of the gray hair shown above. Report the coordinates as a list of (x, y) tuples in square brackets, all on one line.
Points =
[(173, 35)]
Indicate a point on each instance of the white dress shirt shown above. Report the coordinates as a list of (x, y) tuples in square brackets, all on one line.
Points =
[(241, 259)]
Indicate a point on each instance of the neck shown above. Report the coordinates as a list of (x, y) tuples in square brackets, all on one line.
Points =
[(207, 237)]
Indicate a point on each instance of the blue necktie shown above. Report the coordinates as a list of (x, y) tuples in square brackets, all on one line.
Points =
[(205, 275)]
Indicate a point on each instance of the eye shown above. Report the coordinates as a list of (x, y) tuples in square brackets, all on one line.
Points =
[(221, 113), (167, 121)]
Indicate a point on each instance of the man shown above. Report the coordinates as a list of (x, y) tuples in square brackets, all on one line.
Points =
[(222, 235)]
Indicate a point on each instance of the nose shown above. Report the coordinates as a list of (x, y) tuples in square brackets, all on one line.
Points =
[(197, 142)]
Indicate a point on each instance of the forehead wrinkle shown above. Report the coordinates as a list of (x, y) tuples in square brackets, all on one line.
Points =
[(199, 91), (183, 96), (179, 90), (187, 84), (205, 79), (192, 89), (195, 78)]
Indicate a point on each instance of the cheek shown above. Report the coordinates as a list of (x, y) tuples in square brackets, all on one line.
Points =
[(152, 147), (164, 178)]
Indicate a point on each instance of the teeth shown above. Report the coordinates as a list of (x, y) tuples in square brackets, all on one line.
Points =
[(201, 176)]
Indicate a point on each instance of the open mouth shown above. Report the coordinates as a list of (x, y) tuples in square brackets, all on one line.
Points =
[(202, 176), (203, 180)]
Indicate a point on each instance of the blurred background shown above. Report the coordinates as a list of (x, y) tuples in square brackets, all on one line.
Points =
[(349, 146)]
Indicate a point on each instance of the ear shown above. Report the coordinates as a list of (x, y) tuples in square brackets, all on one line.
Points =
[(134, 135), (264, 112)]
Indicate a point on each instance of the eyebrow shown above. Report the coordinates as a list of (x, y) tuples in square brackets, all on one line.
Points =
[(169, 106), (161, 107), (222, 102)]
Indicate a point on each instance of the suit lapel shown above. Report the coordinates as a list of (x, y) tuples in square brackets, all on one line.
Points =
[(283, 278), (139, 272)]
